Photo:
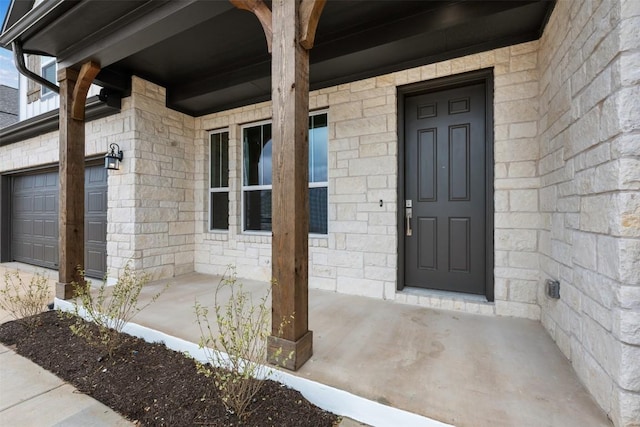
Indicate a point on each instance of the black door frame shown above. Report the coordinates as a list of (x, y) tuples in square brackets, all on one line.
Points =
[(459, 80)]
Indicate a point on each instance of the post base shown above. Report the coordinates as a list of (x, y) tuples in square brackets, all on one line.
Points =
[(66, 290), (279, 351)]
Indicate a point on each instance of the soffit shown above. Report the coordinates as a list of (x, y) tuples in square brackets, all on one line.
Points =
[(211, 56)]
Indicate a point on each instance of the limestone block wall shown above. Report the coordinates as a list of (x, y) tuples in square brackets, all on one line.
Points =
[(151, 213), (590, 176), (44, 149), (151, 198), (39, 151), (359, 253)]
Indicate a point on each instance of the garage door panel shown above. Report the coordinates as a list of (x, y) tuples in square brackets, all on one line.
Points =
[(38, 203), (51, 229), (23, 226), (95, 202), (38, 228), (97, 260), (44, 203), (96, 175), (96, 232), (95, 221), (22, 204), (34, 220), (23, 250), (51, 253), (38, 252)]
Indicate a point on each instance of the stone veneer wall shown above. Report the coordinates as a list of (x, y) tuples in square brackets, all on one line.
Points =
[(44, 150), (151, 210), (151, 198), (590, 176), (359, 254)]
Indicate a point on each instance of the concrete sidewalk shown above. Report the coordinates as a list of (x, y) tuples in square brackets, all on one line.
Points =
[(32, 396)]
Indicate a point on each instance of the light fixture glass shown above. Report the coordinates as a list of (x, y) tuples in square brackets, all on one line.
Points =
[(113, 158)]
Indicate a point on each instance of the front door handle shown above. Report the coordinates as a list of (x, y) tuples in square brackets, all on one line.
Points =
[(407, 216)]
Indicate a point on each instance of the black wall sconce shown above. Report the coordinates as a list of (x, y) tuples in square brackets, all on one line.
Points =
[(113, 158)]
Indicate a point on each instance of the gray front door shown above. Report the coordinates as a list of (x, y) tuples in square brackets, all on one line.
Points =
[(445, 190)]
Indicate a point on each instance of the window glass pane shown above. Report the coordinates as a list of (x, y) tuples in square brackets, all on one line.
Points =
[(220, 160), (257, 148), (318, 148), (318, 210), (257, 155), (257, 210), (318, 121), (224, 160), (265, 161), (219, 212), (49, 73)]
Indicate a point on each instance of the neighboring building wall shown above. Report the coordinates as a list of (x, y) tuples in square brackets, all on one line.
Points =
[(33, 89), (9, 105), (590, 172), (359, 255), (32, 103)]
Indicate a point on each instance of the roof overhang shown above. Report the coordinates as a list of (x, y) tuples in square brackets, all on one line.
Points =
[(211, 56)]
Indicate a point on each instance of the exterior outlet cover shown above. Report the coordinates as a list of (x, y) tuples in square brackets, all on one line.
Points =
[(553, 288)]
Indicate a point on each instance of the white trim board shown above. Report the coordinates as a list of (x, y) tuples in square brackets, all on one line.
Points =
[(329, 398)]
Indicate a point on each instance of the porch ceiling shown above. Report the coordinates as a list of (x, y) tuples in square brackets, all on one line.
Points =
[(211, 56)]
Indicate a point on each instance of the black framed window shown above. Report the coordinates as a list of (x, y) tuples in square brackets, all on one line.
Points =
[(219, 181), (256, 179)]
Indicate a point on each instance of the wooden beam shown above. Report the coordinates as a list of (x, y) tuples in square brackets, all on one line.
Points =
[(88, 73), (262, 12), (310, 11), (73, 94), (290, 193), (71, 196)]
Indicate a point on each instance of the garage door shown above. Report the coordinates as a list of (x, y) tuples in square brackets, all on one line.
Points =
[(34, 220)]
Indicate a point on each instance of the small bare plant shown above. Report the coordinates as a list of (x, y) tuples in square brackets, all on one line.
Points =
[(23, 301), (237, 354), (111, 308)]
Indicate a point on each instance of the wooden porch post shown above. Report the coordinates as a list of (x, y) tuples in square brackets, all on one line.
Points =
[(74, 86), (290, 195), (290, 29)]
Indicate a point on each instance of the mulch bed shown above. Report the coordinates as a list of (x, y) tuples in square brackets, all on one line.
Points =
[(149, 383)]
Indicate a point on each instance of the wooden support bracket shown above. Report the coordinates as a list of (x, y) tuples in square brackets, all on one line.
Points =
[(262, 12), (87, 74), (310, 11)]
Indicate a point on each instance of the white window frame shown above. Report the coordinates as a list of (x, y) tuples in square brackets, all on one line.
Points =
[(244, 188), (45, 92), (213, 190)]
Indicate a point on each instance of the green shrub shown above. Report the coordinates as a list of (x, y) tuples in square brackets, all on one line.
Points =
[(237, 353), (23, 301), (110, 309)]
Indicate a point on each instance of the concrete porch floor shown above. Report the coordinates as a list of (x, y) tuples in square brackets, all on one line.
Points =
[(462, 369)]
